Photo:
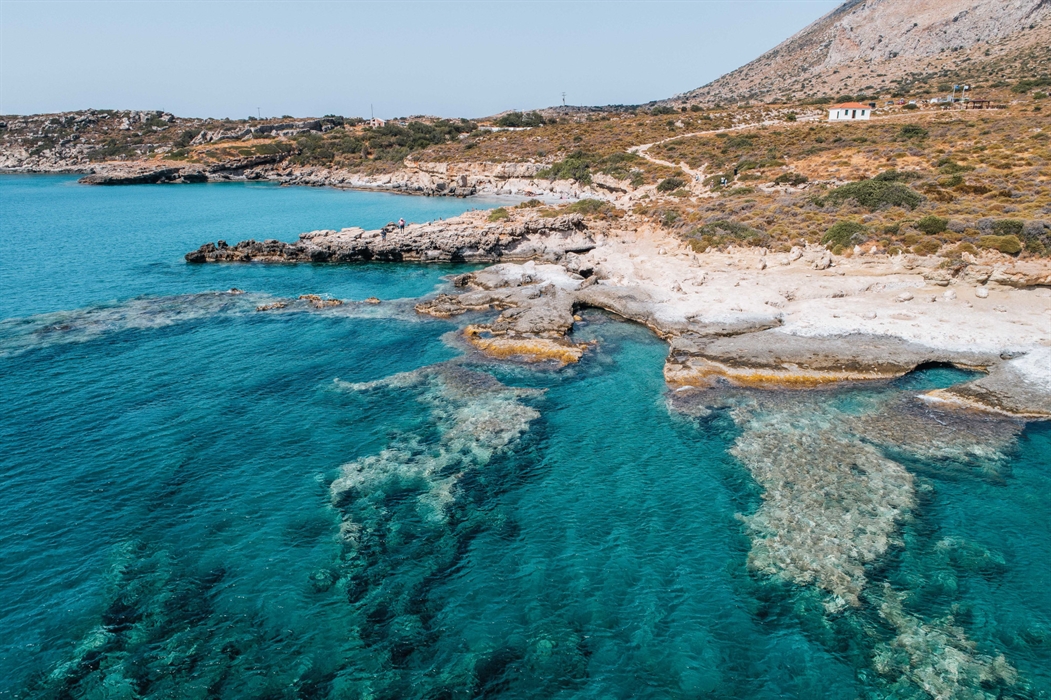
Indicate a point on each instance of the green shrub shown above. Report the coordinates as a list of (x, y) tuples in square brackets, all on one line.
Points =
[(874, 194), (185, 137), (620, 165), (961, 248), (910, 106), (499, 214), (1005, 244), (932, 225), (662, 109), (1008, 227), (739, 191), (790, 117), (1024, 86), (530, 204), (718, 233), (948, 167), (670, 184), (912, 131), (843, 234), (594, 207), (576, 166), (794, 179), (669, 217), (927, 246), (897, 176), (517, 119)]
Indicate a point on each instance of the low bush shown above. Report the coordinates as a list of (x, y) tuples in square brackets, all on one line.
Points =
[(912, 131), (662, 109), (844, 234), (1037, 237), (517, 119), (927, 246), (621, 166), (932, 225), (1008, 227), (576, 166), (910, 106), (530, 204), (1005, 244), (723, 232), (1024, 86), (949, 167), (499, 214), (794, 179), (897, 176), (670, 184), (185, 137), (961, 248), (874, 194), (594, 207)]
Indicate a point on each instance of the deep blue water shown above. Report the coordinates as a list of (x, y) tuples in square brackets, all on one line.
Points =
[(200, 500)]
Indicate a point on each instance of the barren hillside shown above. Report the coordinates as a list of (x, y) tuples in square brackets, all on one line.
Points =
[(876, 46)]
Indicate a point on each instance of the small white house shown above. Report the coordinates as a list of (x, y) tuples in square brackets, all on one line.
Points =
[(849, 111), (376, 123)]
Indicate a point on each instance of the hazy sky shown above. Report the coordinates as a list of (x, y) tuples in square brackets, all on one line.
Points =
[(228, 58)]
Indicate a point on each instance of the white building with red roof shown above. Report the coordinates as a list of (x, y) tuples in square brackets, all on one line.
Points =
[(848, 112)]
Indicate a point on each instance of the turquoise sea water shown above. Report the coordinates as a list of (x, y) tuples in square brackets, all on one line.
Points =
[(199, 500)]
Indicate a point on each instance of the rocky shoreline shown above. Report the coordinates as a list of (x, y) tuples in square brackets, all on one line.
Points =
[(467, 238), (746, 317), (411, 177)]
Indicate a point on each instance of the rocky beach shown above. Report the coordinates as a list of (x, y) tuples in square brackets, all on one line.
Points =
[(750, 317)]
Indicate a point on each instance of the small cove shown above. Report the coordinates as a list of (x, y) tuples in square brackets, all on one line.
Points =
[(172, 526)]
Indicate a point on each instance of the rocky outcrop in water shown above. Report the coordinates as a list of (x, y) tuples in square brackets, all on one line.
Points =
[(773, 357), (467, 238)]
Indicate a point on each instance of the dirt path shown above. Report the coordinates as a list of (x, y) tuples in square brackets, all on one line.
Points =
[(696, 177)]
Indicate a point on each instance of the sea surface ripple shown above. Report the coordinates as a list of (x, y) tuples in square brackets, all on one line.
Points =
[(204, 500)]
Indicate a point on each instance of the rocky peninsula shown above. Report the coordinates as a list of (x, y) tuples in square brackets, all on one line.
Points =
[(745, 316)]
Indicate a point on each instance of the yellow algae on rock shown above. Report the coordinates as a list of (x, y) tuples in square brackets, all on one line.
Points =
[(532, 349), (319, 302), (700, 371)]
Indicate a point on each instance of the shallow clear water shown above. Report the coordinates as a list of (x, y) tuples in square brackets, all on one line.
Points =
[(204, 501)]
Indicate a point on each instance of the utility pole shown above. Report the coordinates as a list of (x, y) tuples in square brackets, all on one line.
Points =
[(563, 100), (259, 112)]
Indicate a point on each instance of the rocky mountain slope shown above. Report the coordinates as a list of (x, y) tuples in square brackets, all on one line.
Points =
[(873, 46)]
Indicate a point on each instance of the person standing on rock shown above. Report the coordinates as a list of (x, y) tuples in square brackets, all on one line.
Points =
[(401, 225)]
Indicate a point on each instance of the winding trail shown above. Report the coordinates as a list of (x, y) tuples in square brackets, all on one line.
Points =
[(696, 177)]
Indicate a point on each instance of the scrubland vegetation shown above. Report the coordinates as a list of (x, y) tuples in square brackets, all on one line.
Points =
[(951, 181)]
